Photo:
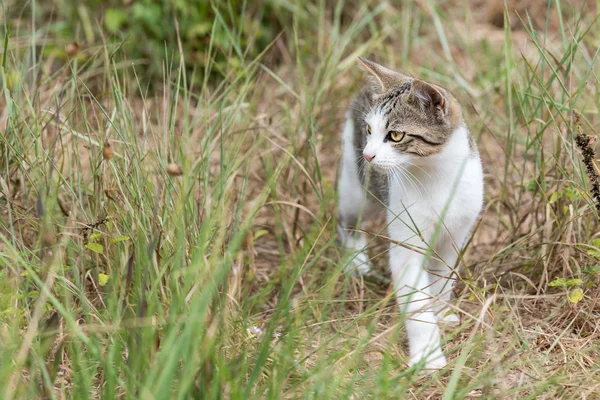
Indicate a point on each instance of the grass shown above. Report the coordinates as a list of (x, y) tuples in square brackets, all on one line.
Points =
[(119, 279)]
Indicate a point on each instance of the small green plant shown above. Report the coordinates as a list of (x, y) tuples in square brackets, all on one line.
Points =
[(215, 37), (181, 242)]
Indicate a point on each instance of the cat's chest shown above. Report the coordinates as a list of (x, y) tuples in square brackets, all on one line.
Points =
[(418, 196), (440, 193), (411, 194)]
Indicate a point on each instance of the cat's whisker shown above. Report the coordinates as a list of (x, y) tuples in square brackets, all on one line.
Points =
[(361, 166), (420, 168), (410, 180), (410, 176), (364, 112), (398, 179), (412, 183)]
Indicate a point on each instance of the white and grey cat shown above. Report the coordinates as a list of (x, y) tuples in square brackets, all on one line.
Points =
[(407, 148)]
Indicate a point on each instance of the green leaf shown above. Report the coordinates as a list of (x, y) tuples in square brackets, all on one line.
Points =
[(594, 253), (200, 29), (12, 311), (531, 186), (260, 233), (574, 282), (114, 19), (575, 295), (103, 279), (118, 239), (591, 269), (572, 193), (562, 282), (95, 247), (95, 235), (555, 196), (558, 282)]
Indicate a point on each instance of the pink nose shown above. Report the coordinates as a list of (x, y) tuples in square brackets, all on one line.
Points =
[(368, 156)]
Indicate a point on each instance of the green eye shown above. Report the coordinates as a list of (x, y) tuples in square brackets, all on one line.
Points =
[(368, 130), (396, 136)]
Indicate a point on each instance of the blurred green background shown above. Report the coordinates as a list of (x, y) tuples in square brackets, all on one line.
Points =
[(148, 31)]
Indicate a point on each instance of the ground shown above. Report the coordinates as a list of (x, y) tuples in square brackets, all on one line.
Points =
[(174, 237)]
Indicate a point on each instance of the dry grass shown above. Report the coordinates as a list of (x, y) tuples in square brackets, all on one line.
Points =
[(227, 281)]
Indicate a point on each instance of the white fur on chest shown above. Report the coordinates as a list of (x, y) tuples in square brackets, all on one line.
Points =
[(446, 187)]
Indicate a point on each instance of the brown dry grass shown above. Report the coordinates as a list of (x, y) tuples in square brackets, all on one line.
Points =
[(518, 337)]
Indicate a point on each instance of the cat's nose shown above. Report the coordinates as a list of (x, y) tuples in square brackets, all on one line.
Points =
[(368, 156)]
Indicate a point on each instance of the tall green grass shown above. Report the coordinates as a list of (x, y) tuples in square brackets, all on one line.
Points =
[(121, 280)]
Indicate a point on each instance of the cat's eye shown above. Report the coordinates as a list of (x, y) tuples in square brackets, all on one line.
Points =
[(396, 136), (368, 130)]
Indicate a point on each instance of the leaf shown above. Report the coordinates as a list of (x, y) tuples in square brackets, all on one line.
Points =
[(12, 81), (200, 29), (11, 311), (103, 279), (118, 239), (114, 19), (554, 197), (594, 253), (572, 193), (95, 235), (562, 282), (589, 285), (591, 269), (558, 282), (575, 295), (95, 247), (260, 233), (574, 282)]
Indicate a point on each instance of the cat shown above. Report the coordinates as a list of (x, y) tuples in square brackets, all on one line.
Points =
[(406, 148)]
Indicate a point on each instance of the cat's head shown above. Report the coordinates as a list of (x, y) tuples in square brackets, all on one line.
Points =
[(405, 119)]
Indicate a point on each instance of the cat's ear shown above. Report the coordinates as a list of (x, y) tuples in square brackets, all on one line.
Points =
[(429, 98), (381, 77)]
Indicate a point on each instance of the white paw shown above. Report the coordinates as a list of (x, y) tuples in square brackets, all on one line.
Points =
[(432, 362), (360, 265), (450, 318)]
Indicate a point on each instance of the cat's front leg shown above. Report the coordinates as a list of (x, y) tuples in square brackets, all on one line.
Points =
[(353, 205), (411, 283), (443, 272)]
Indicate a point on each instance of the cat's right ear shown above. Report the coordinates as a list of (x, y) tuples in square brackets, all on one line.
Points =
[(428, 97), (381, 77)]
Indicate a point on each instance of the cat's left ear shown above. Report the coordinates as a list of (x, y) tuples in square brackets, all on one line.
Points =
[(429, 98), (381, 77)]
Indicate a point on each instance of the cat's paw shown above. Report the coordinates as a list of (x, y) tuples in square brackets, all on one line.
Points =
[(360, 265), (446, 316), (450, 318), (432, 362)]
